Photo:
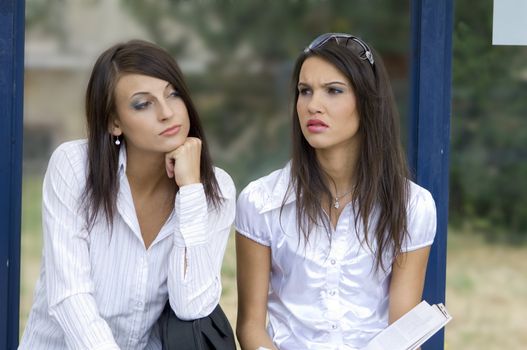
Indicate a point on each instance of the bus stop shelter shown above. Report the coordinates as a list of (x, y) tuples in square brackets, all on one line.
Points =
[(429, 135)]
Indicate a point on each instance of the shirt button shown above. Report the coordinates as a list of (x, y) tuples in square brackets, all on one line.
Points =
[(140, 304), (333, 261), (334, 326), (332, 292)]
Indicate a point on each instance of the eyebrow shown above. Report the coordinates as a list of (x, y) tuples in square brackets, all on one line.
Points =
[(139, 93), (325, 84)]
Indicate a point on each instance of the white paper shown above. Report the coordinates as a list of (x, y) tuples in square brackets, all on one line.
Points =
[(509, 25), (412, 329)]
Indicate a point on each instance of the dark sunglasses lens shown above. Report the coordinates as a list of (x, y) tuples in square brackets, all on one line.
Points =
[(319, 41), (352, 43), (357, 48)]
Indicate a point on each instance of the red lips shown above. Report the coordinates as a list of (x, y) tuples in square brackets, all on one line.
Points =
[(316, 126), (171, 131)]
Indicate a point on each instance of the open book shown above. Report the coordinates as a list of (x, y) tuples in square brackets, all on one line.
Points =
[(412, 329)]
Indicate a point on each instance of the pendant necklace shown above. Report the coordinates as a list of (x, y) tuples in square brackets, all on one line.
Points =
[(336, 203)]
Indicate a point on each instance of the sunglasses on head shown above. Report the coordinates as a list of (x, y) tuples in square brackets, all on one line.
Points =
[(351, 42)]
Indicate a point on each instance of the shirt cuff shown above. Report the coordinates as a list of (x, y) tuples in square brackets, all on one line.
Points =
[(191, 209)]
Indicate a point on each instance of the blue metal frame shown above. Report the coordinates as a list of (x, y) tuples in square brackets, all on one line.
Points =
[(430, 128), (11, 103)]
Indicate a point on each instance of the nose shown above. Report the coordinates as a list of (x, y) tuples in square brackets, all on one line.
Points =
[(314, 104), (166, 111)]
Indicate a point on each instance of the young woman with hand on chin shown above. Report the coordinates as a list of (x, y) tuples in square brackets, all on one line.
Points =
[(121, 238), (334, 246)]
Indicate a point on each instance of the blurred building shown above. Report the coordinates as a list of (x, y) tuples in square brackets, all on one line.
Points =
[(57, 64), (60, 50)]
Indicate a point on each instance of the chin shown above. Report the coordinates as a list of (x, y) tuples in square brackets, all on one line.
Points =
[(175, 141), (318, 144)]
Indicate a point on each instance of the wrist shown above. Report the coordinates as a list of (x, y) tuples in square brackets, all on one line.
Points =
[(187, 181)]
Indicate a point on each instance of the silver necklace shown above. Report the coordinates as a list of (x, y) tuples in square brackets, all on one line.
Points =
[(336, 203)]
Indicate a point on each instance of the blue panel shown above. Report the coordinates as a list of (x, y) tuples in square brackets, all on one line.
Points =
[(11, 102), (430, 128)]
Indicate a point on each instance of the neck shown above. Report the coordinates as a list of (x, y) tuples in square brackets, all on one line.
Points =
[(146, 171), (340, 166)]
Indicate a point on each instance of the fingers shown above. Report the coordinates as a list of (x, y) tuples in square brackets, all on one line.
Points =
[(169, 165), (183, 163)]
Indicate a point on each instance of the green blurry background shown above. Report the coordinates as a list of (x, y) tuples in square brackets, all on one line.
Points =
[(237, 57)]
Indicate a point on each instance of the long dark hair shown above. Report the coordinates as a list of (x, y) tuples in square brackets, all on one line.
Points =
[(136, 57), (381, 188)]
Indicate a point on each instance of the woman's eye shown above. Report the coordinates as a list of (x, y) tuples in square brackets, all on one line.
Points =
[(174, 93), (304, 91), (333, 90), (141, 105)]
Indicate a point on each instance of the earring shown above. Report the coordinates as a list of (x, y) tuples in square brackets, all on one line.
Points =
[(117, 141)]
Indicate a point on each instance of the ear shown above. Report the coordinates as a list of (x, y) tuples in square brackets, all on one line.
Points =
[(114, 127)]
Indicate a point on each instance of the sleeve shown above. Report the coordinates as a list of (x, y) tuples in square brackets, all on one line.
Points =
[(421, 219), (200, 239), (249, 221), (66, 259)]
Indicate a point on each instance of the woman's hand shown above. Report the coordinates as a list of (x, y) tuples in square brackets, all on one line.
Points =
[(183, 163)]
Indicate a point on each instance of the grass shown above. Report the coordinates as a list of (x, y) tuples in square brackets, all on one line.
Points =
[(31, 242), (486, 283), (486, 294)]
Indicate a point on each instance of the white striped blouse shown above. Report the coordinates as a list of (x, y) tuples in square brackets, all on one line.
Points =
[(105, 290)]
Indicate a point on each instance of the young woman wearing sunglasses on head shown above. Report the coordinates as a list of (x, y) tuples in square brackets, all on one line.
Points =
[(334, 246), (134, 216)]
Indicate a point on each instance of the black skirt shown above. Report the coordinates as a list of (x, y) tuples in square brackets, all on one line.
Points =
[(208, 333)]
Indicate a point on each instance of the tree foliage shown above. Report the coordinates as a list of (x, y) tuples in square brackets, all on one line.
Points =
[(489, 129), (43, 14)]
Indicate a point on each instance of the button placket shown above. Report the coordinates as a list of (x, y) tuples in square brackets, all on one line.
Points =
[(142, 280), (337, 253), (332, 284)]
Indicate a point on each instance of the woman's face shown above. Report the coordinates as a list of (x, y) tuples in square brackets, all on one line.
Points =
[(326, 106), (150, 114)]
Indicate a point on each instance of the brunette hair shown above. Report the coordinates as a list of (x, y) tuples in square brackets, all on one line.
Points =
[(136, 57), (382, 188)]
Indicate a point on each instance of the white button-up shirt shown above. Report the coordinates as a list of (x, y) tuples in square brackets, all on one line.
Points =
[(324, 296), (104, 290)]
